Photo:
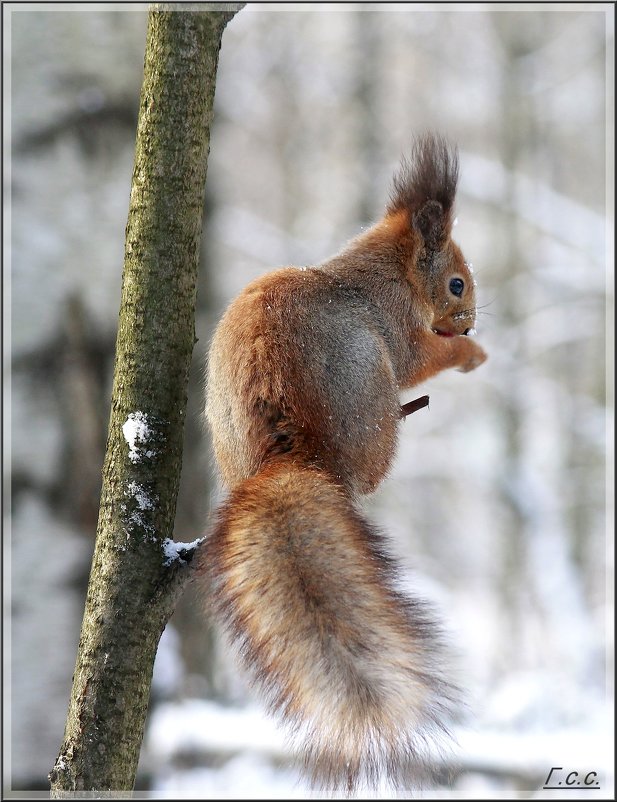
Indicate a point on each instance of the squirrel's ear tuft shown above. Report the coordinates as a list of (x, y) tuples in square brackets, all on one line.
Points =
[(425, 186)]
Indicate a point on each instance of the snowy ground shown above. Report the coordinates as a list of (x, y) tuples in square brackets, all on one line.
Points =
[(250, 753), (201, 749)]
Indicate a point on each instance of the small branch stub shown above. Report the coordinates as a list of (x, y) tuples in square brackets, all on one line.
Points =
[(413, 406)]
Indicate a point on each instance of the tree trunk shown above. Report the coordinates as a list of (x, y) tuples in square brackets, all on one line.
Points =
[(133, 584)]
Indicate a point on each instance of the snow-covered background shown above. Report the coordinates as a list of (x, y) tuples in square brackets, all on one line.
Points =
[(500, 504)]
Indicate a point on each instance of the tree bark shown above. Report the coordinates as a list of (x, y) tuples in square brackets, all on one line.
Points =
[(134, 581)]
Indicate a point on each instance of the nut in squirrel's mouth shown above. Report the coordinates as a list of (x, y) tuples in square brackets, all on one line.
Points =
[(443, 333)]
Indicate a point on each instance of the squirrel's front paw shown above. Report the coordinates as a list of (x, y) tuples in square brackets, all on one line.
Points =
[(474, 357)]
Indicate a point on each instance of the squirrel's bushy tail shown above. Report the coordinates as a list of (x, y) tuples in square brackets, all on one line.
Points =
[(305, 589)]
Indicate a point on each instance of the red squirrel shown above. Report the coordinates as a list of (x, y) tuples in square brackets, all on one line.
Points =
[(302, 401)]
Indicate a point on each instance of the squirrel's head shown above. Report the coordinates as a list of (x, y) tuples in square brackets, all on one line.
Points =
[(452, 291), (424, 191)]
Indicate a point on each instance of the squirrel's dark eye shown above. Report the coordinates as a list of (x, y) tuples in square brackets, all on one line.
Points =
[(457, 285)]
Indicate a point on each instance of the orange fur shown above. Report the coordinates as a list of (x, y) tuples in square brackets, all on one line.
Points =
[(302, 399)]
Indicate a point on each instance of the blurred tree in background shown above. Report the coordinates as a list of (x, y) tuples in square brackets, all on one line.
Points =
[(499, 498)]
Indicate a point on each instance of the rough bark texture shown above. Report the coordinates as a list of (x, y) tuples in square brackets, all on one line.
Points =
[(132, 591)]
